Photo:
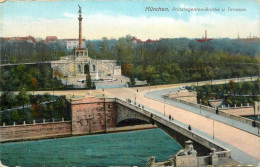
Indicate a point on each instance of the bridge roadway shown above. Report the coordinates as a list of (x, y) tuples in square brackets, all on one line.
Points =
[(244, 146)]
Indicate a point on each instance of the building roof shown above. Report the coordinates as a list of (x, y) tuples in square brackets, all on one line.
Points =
[(151, 41), (71, 39), (20, 39), (134, 39), (203, 40), (51, 38)]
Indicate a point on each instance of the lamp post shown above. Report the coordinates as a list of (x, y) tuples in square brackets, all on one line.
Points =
[(258, 118), (213, 130), (200, 106), (258, 128), (52, 83), (105, 113), (164, 107)]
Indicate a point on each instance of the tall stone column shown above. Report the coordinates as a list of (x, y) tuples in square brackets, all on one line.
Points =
[(80, 20)]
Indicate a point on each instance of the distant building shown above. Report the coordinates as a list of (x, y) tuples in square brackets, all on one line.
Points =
[(247, 40), (38, 39), (29, 39), (138, 41), (70, 44), (51, 38), (204, 39)]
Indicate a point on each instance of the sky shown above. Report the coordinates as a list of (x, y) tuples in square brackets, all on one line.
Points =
[(117, 18)]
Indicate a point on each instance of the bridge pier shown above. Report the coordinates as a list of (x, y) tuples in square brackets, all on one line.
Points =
[(181, 139)]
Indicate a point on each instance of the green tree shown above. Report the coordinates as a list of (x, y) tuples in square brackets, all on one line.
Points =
[(18, 116), (239, 87), (196, 76), (23, 97), (126, 68), (34, 83), (150, 73), (210, 73), (248, 86), (231, 85), (7, 100), (125, 49), (88, 81), (91, 49), (132, 80)]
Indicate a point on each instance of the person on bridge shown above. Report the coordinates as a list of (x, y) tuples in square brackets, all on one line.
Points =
[(189, 127), (170, 117)]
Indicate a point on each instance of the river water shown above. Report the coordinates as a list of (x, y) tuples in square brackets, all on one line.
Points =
[(128, 148), (254, 118)]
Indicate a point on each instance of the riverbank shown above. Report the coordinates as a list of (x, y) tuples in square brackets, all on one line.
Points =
[(64, 135)]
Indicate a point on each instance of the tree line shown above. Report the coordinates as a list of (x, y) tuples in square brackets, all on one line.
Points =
[(31, 77), (27, 107), (180, 59), (232, 93), (13, 52), (167, 61)]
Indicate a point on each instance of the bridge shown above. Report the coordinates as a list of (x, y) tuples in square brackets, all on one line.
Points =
[(99, 114), (243, 143)]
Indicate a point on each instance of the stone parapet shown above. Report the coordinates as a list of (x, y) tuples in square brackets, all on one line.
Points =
[(183, 95), (35, 131)]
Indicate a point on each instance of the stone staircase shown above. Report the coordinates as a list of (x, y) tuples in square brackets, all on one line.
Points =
[(104, 69)]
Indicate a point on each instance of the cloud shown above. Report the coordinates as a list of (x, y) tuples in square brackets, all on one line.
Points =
[(96, 26), (70, 15)]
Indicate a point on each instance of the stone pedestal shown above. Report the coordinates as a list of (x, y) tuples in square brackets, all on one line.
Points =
[(151, 162), (213, 157)]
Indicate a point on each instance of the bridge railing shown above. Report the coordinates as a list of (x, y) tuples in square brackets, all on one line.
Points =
[(220, 112), (37, 122)]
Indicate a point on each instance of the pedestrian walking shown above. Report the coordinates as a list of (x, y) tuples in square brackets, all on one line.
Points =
[(254, 123), (189, 127)]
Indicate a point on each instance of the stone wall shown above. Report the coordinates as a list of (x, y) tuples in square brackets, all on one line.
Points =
[(124, 113), (117, 70), (241, 111), (35, 131), (92, 115), (184, 95)]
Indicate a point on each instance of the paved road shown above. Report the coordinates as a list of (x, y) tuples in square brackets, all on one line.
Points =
[(244, 146), (236, 153), (158, 95)]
